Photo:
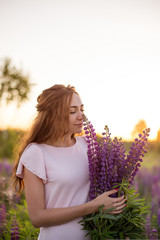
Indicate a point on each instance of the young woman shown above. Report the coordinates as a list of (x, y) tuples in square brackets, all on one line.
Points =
[(53, 168)]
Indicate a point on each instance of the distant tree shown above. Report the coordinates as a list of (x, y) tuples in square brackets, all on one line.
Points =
[(9, 139), (14, 84), (138, 128), (158, 136)]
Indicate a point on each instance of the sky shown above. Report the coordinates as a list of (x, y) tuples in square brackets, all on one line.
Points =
[(108, 50)]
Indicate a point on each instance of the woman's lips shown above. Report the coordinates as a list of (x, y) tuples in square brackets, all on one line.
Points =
[(79, 124)]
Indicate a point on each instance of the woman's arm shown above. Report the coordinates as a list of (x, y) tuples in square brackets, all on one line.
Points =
[(42, 217)]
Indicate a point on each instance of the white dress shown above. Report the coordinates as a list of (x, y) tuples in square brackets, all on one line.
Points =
[(65, 174)]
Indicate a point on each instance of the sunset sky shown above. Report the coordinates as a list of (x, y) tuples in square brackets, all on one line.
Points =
[(108, 50)]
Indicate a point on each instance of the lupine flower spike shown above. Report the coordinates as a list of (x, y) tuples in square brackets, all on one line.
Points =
[(108, 156), (14, 229)]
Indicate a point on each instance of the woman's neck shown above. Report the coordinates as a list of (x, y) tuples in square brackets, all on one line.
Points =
[(64, 142)]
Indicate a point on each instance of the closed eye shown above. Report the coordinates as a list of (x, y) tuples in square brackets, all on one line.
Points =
[(73, 109), (82, 110)]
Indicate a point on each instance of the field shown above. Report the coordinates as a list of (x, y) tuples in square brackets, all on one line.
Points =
[(14, 219)]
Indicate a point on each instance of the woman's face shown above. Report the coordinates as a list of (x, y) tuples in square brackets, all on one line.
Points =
[(75, 115)]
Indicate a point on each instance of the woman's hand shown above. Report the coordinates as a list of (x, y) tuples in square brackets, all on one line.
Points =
[(109, 202)]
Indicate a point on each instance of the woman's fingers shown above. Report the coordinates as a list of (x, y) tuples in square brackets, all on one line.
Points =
[(116, 212), (119, 199), (121, 207), (111, 191), (117, 204), (118, 209)]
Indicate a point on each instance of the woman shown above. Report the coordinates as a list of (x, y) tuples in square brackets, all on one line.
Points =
[(53, 168)]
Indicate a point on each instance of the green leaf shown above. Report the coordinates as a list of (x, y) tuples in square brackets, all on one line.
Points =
[(101, 209), (109, 226), (109, 210), (121, 235), (145, 210), (134, 196), (96, 220), (108, 236), (109, 216), (133, 235), (94, 237), (95, 231), (128, 228), (112, 232), (89, 218)]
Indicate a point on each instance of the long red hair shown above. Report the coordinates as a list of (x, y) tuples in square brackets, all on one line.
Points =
[(51, 122)]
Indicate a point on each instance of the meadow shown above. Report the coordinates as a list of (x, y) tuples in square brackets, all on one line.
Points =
[(14, 219)]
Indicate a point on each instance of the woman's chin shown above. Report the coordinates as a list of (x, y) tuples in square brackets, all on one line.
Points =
[(78, 130)]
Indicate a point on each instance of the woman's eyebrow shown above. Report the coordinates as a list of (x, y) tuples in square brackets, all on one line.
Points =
[(76, 106)]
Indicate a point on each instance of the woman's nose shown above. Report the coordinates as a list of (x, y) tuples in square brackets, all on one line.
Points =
[(80, 114)]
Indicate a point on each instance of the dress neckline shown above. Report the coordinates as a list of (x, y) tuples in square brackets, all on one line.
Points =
[(69, 147)]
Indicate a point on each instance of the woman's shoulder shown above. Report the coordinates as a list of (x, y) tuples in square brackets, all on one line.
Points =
[(32, 148), (33, 159), (81, 140)]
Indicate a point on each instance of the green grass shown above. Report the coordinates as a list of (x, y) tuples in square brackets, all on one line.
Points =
[(151, 159)]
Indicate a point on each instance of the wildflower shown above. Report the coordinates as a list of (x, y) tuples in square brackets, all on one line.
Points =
[(14, 229), (153, 234), (137, 150), (148, 225), (108, 163), (2, 218), (158, 217), (92, 158)]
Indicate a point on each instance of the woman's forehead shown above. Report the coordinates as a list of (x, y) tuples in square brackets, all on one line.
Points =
[(76, 100)]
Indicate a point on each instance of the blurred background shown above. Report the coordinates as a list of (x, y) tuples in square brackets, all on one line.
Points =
[(108, 50)]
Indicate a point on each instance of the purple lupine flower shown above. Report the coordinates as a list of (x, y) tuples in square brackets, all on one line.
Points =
[(14, 229), (108, 164), (137, 150), (148, 225), (158, 217), (112, 158), (156, 190), (134, 172), (2, 218), (92, 158), (106, 158), (153, 234), (158, 196), (144, 178), (136, 186), (155, 193), (119, 156), (153, 206), (5, 167), (15, 199), (98, 166)]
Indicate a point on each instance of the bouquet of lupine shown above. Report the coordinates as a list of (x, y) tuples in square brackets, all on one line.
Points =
[(110, 167)]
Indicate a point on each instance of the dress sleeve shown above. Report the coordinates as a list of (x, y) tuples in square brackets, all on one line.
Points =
[(33, 159)]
